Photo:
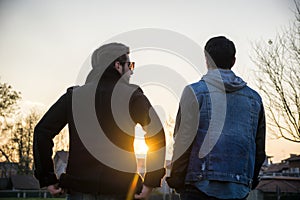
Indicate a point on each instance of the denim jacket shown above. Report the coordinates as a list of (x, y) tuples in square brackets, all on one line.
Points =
[(228, 143)]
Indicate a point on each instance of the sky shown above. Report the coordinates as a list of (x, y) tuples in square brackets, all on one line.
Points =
[(45, 45)]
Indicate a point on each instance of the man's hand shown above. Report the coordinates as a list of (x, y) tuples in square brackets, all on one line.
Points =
[(55, 190), (146, 191)]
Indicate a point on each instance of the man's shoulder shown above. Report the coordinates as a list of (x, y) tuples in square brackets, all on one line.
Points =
[(199, 87), (137, 95), (198, 83), (253, 93)]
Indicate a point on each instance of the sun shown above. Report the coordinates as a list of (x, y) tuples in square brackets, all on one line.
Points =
[(140, 146)]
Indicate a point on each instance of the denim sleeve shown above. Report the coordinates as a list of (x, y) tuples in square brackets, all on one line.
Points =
[(260, 146), (47, 128)]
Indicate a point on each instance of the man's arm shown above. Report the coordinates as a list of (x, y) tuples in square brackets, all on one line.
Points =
[(260, 154), (48, 127), (184, 133), (143, 113), (179, 164)]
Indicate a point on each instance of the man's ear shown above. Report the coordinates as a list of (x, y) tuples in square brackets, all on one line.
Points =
[(118, 67), (233, 61)]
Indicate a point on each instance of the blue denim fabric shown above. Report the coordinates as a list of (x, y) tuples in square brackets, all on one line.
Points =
[(232, 158), (192, 193), (224, 190)]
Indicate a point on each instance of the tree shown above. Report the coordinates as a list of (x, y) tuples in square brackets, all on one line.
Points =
[(18, 147), (61, 141), (279, 79), (8, 104), (16, 131), (169, 130), (22, 139), (8, 99)]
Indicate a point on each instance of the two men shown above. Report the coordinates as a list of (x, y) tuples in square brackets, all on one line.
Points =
[(219, 133), (101, 116)]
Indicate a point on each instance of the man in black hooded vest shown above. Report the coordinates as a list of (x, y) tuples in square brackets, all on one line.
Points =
[(101, 116)]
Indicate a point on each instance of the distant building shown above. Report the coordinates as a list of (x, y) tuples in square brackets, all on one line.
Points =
[(25, 182), (287, 167), (8, 169), (279, 180), (24, 186), (294, 165)]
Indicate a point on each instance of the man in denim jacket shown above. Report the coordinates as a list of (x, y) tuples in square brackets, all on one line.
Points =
[(219, 133)]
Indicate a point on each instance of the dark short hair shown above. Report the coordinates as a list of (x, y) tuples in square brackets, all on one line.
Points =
[(220, 52)]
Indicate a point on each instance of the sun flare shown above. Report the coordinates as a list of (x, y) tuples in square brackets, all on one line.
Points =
[(140, 146)]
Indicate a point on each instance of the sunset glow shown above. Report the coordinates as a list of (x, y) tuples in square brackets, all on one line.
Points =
[(140, 146), (46, 49)]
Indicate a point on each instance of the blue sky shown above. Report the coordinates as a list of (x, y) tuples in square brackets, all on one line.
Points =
[(45, 44)]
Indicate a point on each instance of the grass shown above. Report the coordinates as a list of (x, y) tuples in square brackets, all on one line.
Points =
[(13, 198)]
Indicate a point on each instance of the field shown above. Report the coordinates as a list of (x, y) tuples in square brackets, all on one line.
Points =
[(31, 198)]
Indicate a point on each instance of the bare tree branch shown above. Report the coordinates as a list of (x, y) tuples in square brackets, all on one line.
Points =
[(278, 61), (5, 155)]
